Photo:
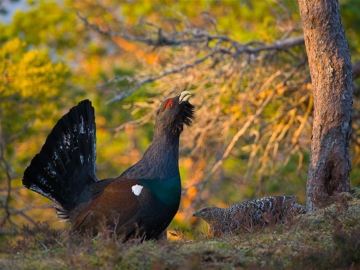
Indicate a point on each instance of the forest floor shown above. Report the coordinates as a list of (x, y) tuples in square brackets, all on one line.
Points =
[(326, 239)]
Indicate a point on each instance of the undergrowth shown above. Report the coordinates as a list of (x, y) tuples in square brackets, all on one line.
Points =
[(326, 239)]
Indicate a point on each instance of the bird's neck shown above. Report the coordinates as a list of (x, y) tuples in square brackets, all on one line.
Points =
[(163, 155), (160, 160)]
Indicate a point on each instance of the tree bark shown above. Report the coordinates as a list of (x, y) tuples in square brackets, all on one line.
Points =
[(331, 75)]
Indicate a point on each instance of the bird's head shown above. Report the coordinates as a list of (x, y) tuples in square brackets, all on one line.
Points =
[(174, 113), (209, 214)]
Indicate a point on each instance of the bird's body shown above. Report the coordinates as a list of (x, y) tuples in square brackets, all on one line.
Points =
[(251, 214), (141, 202), (131, 208)]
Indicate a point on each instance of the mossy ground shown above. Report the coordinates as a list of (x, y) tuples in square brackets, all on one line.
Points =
[(326, 239)]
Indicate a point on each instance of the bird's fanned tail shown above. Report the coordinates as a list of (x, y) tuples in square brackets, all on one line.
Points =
[(65, 166)]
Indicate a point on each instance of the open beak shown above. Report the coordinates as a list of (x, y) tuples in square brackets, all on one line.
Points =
[(184, 96)]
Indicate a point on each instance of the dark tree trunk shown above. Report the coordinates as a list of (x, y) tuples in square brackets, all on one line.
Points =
[(331, 76)]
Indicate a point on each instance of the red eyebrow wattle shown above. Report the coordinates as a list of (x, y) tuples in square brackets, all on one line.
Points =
[(168, 104)]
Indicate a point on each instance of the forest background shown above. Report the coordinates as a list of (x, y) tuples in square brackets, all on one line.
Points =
[(245, 61)]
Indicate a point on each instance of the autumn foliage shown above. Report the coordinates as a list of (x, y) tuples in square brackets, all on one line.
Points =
[(245, 62)]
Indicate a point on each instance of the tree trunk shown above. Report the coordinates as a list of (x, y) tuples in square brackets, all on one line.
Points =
[(331, 76)]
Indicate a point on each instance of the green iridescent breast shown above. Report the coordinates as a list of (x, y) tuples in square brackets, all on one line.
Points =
[(167, 191)]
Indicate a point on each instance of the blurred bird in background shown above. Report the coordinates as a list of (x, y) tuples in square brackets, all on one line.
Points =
[(251, 214)]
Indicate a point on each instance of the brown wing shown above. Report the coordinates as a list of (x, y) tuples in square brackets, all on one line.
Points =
[(113, 205)]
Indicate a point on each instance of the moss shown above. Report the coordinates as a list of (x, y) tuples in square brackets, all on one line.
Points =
[(355, 191), (328, 238)]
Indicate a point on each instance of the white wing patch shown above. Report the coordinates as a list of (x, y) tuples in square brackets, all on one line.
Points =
[(136, 189)]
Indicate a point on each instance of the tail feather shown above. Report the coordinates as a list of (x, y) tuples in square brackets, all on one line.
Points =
[(65, 166)]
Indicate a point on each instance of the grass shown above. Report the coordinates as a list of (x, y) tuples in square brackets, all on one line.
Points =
[(326, 239)]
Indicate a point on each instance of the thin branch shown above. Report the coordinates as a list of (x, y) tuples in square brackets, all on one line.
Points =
[(161, 75), (246, 126), (279, 45), (194, 36), (217, 44), (137, 122), (234, 140), (140, 82)]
